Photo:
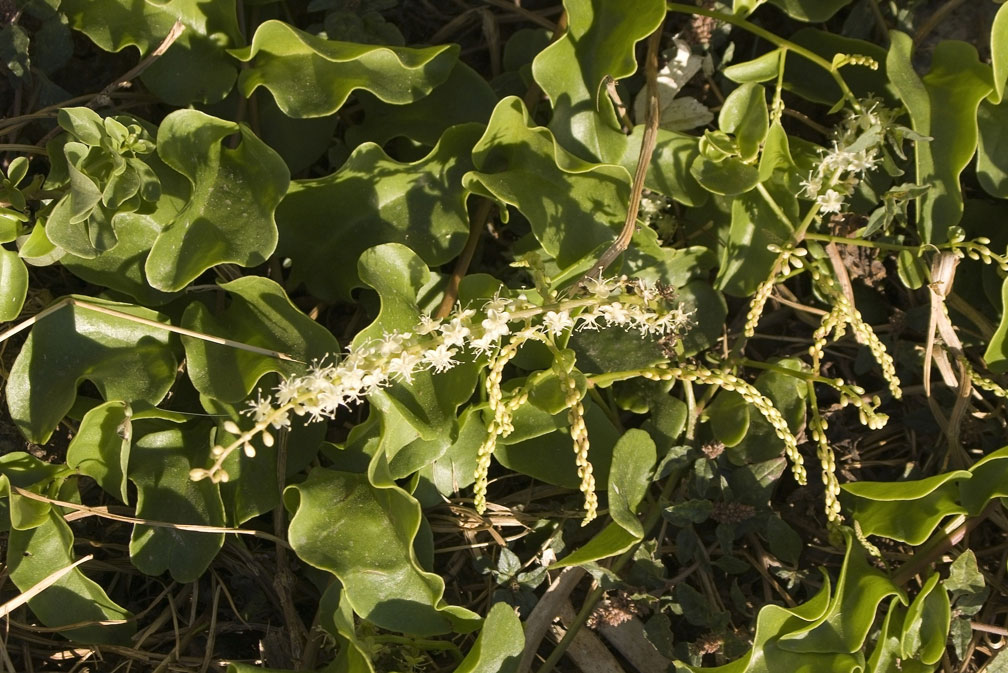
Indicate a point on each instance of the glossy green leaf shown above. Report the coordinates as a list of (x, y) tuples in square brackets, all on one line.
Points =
[(259, 314), (776, 154), (745, 260), (999, 53), (788, 394), (160, 461), (957, 75), (773, 622), (23, 470), (101, 447), (744, 114), (194, 69), (707, 309), (337, 517), (517, 162), (550, 457), (122, 267), (728, 416), (926, 626), (599, 43), (229, 215), (123, 359), (337, 618), (996, 355), (612, 541), (428, 404), (327, 223), (728, 177), (498, 648), (845, 624), (810, 10), (908, 510), (992, 145), (32, 555), (13, 284), (462, 98), (669, 170), (312, 77), (760, 69), (633, 460), (989, 481)]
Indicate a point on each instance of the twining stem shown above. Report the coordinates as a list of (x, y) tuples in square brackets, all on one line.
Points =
[(772, 39), (648, 141), (476, 225)]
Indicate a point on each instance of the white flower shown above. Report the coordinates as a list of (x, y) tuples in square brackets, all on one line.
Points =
[(403, 365), (602, 287), (427, 325), (496, 324), (811, 185), (454, 333), (440, 358), (831, 201), (555, 323), (615, 314)]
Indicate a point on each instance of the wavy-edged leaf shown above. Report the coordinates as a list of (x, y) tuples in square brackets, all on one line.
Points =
[(194, 69), (123, 359), (23, 470), (160, 461), (773, 622), (812, 11), (728, 177), (519, 164), (907, 510), (996, 355), (101, 447), (599, 43), (989, 481), (122, 267), (956, 75), (327, 223), (33, 555), (337, 519), (229, 215), (992, 145), (13, 284), (745, 260), (428, 404), (845, 624), (312, 77), (999, 53), (500, 643), (260, 314), (465, 97), (669, 170)]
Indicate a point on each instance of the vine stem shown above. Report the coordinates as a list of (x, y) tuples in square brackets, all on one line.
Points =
[(648, 141), (476, 225), (772, 39)]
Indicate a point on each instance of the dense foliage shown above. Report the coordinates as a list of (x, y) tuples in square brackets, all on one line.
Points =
[(326, 352)]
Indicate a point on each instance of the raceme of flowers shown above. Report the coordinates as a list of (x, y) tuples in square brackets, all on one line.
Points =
[(497, 329)]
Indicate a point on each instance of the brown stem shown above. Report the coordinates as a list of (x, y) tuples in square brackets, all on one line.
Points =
[(476, 224), (643, 160)]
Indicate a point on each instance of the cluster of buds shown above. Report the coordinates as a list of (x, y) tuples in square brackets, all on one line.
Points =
[(497, 330), (788, 258)]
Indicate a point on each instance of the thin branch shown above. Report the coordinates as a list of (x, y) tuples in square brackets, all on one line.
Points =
[(73, 301)]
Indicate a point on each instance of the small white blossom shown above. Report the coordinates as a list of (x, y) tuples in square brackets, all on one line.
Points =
[(441, 358), (831, 201), (615, 314), (404, 365), (496, 324), (555, 323), (427, 325), (454, 333)]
